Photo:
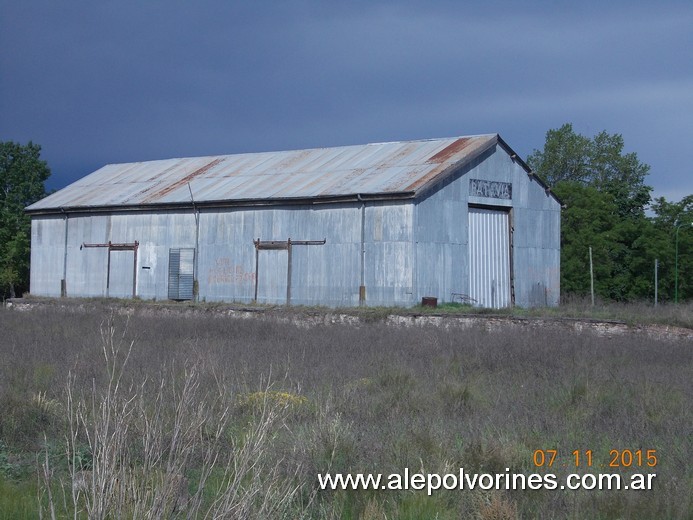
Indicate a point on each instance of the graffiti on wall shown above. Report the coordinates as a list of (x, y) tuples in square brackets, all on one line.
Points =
[(225, 272), (490, 189)]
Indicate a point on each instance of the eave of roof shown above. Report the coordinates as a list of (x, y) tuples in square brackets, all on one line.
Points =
[(236, 203)]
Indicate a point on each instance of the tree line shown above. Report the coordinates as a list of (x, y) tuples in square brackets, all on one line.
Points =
[(22, 182), (607, 207)]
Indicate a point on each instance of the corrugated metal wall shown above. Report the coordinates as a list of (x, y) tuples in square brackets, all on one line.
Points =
[(328, 274), (489, 257), (322, 274)]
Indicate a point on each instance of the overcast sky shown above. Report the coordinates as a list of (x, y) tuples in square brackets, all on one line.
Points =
[(97, 82)]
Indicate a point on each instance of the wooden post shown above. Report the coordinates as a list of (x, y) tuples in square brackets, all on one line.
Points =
[(257, 271), (108, 268), (288, 272), (134, 271)]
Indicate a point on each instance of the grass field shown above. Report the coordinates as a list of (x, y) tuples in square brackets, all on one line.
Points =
[(163, 416)]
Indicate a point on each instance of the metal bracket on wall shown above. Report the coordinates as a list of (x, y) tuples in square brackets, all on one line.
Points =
[(119, 247), (281, 245)]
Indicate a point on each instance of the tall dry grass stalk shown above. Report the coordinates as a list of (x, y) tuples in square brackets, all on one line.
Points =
[(166, 448)]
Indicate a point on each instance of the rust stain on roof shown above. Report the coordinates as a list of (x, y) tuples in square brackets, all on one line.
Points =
[(442, 158), (292, 159), (182, 182), (340, 184), (450, 150), (404, 152), (159, 174), (422, 180)]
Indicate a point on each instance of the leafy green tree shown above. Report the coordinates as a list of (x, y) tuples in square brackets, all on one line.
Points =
[(606, 196), (587, 223), (622, 259), (22, 177), (598, 162), (667, 217), (565, 157)]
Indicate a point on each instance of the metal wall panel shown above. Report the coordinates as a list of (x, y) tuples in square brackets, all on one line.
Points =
[(327, 274), (121, 273), (489, 257), (47, 255), (441, 243), (86, 269), (389, 253), (273, 266)]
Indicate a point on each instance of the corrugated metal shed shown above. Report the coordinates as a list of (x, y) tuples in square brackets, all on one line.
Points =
[(383, 169), (390, 223)]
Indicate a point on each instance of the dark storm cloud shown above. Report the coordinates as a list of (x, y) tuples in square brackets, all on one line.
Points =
[(100, 82)]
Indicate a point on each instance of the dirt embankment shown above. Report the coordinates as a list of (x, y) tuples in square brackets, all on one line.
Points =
[(311, 317)]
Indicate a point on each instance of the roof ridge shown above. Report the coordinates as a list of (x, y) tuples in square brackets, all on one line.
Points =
[(214, 156)]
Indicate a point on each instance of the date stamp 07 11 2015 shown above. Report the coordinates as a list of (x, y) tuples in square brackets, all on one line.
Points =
[(585, 458)]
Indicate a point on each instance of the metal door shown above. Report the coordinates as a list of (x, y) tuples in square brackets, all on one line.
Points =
[(489, 257), (181, 273)]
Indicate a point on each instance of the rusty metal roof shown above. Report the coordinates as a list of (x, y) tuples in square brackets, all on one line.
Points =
[(385, 169)]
